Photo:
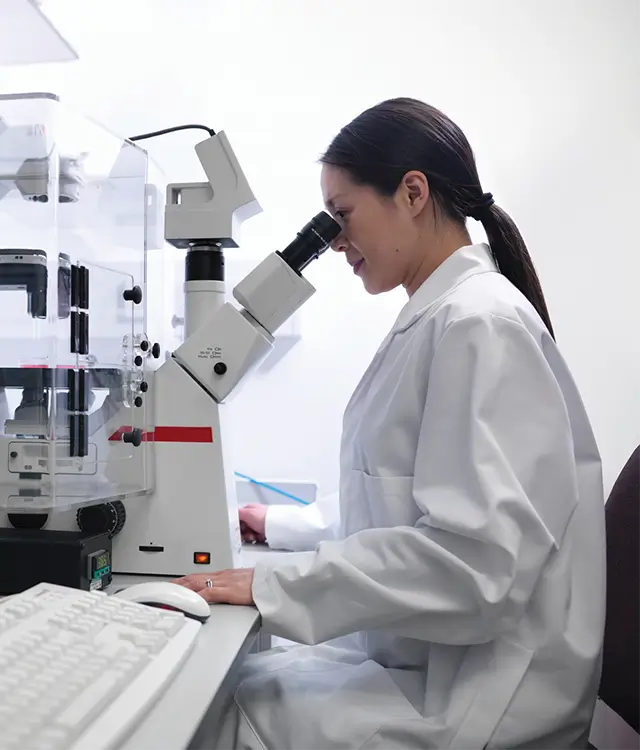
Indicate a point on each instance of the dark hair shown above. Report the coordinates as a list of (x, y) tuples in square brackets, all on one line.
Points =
[(400, 135)]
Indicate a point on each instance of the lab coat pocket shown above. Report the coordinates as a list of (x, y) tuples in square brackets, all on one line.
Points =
[(497, 681), (379, 502)]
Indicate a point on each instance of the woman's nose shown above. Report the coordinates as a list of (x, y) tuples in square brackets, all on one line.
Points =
[(340, 243)]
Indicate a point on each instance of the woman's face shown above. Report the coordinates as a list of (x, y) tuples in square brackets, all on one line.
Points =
[(379, 235)]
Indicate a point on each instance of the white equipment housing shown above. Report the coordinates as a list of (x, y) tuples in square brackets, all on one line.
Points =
[(199, 211), (234, 338)]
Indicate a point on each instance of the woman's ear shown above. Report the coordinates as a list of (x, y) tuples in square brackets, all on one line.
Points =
[(415, 191)]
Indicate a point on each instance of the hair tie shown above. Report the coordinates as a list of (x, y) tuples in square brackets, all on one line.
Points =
[(478, 209)]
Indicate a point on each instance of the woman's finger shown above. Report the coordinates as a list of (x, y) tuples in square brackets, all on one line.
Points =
[(188, 583)]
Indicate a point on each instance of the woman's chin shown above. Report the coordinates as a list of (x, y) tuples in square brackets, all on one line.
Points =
[(371, 287)]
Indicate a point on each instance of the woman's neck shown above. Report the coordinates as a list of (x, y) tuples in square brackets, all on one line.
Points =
[(435, 247)]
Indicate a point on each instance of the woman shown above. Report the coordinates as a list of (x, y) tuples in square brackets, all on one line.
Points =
[(469, 567)]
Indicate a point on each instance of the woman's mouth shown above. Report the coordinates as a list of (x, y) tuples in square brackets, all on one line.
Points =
[(358, 266)]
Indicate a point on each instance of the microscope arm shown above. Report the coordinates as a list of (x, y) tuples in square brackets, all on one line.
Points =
[(232, 342)]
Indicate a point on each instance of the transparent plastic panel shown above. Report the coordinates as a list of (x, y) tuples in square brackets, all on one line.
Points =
[(74, 360)]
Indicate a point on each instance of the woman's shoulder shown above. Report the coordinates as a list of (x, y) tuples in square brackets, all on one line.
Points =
[(486, 297)]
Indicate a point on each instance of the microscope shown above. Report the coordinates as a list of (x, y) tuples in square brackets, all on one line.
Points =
[(113, 457)]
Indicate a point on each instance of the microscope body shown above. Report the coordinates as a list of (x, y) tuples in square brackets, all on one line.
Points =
[(111, 436)]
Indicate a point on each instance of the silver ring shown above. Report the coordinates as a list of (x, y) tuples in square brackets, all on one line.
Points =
[(209, 583)]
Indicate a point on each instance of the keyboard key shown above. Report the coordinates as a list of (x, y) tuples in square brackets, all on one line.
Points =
[(51, 737), (79, 713)]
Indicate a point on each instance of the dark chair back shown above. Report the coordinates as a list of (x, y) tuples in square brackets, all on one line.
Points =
[(620, 683)]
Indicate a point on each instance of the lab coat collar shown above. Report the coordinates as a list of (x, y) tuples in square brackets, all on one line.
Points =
[(460, 265)]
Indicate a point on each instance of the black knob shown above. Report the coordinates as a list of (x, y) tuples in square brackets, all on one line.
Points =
[(144, 386), (106, 518), (13, 454), (133, 295), (144, 346), (27, 520), (134, 437), (137, 361), (220, 368), (155, 350), (138, 401)]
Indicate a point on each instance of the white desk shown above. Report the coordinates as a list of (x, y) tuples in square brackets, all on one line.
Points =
[(188, 714)]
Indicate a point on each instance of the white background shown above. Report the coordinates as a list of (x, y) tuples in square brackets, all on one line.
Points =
[(546, 91)]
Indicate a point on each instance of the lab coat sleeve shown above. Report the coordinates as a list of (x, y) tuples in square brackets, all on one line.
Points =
[(494, 458), (297, 527)]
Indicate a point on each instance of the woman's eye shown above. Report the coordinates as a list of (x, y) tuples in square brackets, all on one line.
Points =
[(341, 215)]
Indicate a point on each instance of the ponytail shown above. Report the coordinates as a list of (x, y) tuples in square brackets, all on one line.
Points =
[(511, 255)]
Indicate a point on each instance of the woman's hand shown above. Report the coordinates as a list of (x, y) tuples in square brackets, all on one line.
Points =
[(226, 587), (252, 522)]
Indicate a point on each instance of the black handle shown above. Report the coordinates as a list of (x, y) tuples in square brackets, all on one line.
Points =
[(134, 437), (133, 295)]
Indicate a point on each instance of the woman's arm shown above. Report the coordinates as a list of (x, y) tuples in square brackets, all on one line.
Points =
[(494, 479)]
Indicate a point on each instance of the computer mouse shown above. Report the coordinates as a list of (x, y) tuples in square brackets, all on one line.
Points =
[(167, 595)]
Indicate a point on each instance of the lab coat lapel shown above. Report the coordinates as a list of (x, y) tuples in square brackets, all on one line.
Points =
[(465, 262)]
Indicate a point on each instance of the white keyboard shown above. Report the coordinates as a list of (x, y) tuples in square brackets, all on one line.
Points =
[(78, 669)]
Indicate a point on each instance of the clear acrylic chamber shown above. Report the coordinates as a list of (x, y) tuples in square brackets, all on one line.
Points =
[(74, 356)]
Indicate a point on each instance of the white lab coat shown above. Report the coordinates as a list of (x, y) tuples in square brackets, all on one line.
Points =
[(300, 528), (471, 558)]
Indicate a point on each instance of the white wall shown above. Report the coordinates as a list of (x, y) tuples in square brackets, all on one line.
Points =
[(546, 92)]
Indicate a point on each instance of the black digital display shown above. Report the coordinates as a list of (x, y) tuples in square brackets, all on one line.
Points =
[(100, 564)]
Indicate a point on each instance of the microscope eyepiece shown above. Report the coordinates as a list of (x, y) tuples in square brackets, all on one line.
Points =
[(311, 241)]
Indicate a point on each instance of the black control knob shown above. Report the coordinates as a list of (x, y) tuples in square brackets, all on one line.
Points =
[(138, 401), (106, 518), (220, 368), (144, 386), (144, 346), (155, 350), (133, 295), (134, 437), (137, 361)]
